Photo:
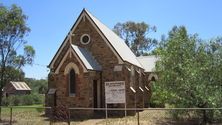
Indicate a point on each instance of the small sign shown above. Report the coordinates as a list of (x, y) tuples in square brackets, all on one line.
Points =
[(115, 92), (52, 91), (118, 68)]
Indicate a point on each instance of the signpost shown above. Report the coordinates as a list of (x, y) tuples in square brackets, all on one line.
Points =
[(115, 92)]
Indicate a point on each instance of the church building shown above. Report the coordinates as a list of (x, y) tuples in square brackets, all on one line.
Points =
[(90, 55)]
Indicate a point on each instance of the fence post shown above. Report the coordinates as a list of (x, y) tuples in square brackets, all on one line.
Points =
[(50, 115), (69, 116), (138, 118), (10, 116)]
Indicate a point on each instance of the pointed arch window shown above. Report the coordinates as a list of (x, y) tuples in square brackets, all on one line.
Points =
[(72, 82)]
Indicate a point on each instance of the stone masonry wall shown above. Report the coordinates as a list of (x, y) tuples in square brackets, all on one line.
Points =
[(99, 49), (84, 81)]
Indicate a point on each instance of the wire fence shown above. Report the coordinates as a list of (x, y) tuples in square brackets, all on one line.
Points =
[(115, 116)]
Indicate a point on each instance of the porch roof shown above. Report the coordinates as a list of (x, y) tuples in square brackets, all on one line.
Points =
[(87, 59)]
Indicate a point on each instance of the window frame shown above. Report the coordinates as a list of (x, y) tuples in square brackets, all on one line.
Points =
[(81, 39), (74, 93)]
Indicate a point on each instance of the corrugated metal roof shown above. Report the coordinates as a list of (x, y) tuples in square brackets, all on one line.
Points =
[(87, 59), (119, 45), (148, 62), (20, 85)]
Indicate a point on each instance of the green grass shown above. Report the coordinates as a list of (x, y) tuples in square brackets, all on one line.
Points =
[(36, 105), (28, 108)]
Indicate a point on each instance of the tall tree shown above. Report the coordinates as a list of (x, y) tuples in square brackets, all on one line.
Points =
[(13, 29), (13, 74), (136, 36), (190, 72)]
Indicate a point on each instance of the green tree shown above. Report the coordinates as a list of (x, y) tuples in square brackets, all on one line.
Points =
[(37, 86), (14, 74), (13, 29), (136, 37), (190, 72)]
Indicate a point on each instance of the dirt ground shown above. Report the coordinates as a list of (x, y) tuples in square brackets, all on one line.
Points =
[(148, 117)]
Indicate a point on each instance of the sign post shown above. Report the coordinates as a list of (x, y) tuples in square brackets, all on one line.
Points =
[(115, 92)]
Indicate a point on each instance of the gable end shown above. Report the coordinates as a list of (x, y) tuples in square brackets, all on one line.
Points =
[(84, 14)]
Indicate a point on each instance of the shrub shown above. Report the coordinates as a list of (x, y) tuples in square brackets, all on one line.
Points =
[(37, 98), (5, 101), (15, 100), (27, 100)]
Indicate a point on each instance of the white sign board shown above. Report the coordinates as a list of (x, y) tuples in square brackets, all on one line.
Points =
[(115, 92)]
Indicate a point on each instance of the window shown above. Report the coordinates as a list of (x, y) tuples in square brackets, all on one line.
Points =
[(85, 39), (72, 82)]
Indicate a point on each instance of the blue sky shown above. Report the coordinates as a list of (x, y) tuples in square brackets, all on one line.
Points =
[(50, 20)]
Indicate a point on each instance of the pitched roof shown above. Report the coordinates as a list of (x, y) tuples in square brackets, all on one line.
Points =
[(148, 62), (87, 59), (117, 43), (20, 85)]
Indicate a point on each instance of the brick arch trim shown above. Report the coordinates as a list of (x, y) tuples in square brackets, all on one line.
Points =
[(152, 75), (70, 66)]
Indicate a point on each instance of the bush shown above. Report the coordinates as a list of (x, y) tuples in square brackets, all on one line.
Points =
[(158, 96), (4, 101), (37, 98), (27, 100), (15, 100)]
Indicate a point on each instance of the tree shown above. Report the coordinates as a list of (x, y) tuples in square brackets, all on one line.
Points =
[(13, 74), (13, 29), (136, 37), (190, 72), (37, 86)]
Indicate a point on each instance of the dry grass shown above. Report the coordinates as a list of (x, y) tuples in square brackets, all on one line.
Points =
[(32, 116), (145, 118), (148, 117), (24, 116), (28, 116)]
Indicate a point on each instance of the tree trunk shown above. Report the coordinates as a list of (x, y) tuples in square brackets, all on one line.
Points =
[(204, 118), (0, 104), (2, 82)]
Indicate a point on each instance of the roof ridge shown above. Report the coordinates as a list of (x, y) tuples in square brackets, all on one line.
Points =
[(114, 41), (118, 43)]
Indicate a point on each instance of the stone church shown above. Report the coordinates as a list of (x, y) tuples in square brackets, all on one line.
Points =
[(90, 55)]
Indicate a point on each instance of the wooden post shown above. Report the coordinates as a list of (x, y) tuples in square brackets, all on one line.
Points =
[(106, 113), (10, 116), (138, 117), (50, 116), (69, 117)]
